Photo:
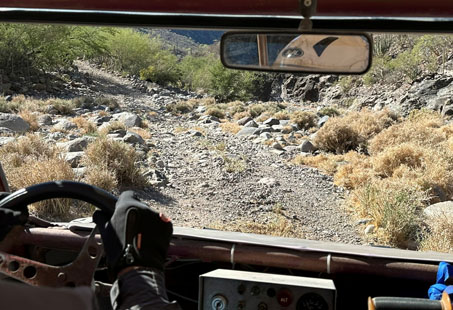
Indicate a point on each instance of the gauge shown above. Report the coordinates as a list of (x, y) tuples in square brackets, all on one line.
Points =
[(312, 301)]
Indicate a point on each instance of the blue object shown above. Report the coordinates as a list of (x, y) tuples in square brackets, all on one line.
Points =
[(444, 272)]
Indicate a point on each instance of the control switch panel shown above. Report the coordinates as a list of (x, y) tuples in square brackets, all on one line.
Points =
[(241, 290)]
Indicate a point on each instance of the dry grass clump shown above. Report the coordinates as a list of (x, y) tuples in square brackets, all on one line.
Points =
[(337, 136), (278, 225), (30, 160), (216, 112), (85, 126), (438, 235), (112, 126), (101, 177), (145, 134), (409, 155), (282, 115), (264, 116), (230, 127), (116, 157), (63, 106), (329, 111), (304, 119), (240, 115), (181, 107), (408, 131), (353, 130), (31, 118), (109, 102), (394, 207)]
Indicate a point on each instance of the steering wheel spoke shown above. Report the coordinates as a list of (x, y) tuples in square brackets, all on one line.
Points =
[(78, 273)]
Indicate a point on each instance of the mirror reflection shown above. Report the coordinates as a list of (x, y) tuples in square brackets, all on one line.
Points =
[(328, 53)]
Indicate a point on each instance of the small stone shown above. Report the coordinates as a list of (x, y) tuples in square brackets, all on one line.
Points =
[(64, 125), (306, 147), (363, 221), (44, 120), (128, 119), (277, 146), (246, 131), (323, 120), (268, 181), (369, 229)]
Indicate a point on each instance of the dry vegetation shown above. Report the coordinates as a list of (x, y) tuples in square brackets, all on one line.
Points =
[(30, 160), (394, 168), (277, 225)]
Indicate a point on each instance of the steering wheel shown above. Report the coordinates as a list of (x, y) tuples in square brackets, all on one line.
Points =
[(81, 270)]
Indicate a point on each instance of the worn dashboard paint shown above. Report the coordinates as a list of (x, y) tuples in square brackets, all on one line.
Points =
[(389, 8)]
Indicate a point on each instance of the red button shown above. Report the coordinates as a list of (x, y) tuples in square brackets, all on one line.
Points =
[(284, 297)]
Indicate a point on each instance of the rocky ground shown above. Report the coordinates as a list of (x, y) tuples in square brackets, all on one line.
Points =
[(203, 176)]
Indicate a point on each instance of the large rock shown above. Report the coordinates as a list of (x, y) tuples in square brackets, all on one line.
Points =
[(73, 158), (244, 120), (251, 123), (64, 125), (13, 122), (271, 122), (133, 138), (76, 145), (306, 147), (128, 119), (439, 210), (246, 131), (44, 120)]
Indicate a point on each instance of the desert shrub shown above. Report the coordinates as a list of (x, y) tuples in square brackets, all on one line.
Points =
[(230, 127), (215, 111), (227, 84), (195, 72), (385, 163), (163, 70), (30, 160), (116, 157), (26, 47), (181, 107), (101, 177), (304, 119), (282, 115), (329, 112), (394, 208), (277, 225), (83, 102), (418, 129), (63, 106), (145, 134), (129, 51), (85, 126), (30, 118), (337, 136)]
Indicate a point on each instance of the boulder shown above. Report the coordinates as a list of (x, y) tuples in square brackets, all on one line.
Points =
[(306, 147), (64, 125), (73, 158), (13, 122), (133, 138), (439, 209), (244, 120), (76, 145), (128, 119), (44, 120), (271, 122), (251, 123), (246, 131)]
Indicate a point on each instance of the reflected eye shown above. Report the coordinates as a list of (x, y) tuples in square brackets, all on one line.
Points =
[(293, 52)]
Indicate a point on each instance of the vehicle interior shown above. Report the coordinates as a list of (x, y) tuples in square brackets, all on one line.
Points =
[(211, 269)]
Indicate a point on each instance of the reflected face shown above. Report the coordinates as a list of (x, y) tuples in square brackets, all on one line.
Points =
[(297, 52)]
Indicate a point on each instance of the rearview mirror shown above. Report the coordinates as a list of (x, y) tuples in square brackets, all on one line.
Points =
[(297, 52)]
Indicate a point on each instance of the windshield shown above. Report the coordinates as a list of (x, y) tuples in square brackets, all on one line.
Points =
[(352, 159)]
